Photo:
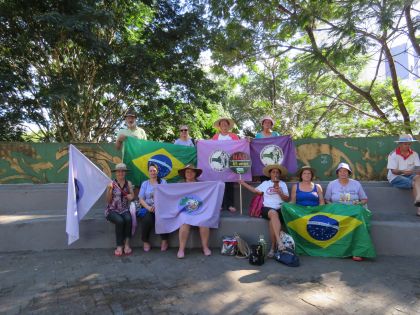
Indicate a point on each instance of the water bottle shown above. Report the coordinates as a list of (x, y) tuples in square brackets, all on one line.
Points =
[(263, 244)]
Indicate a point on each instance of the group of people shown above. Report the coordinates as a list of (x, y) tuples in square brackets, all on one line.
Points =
[(403, 164)]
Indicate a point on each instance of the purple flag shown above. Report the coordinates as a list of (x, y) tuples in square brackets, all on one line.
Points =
[(273, 150), (213, 158), (196, 204)]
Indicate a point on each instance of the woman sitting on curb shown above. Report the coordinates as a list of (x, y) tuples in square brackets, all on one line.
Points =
[(118, 196), (275, 193)]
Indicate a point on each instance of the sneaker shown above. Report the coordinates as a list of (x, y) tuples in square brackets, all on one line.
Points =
[(271, 253)]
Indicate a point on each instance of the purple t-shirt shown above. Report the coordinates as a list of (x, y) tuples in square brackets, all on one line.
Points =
[(346, 194)]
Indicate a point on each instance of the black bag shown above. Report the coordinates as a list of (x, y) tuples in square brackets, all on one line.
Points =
[(256, 257), (288, 257)]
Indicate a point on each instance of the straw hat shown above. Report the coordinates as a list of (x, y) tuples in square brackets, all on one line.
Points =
[(267, 118), (345, 166), (304, 168), (198, 171), (229, 120), (406, 138), (281, 168), (121, 167)]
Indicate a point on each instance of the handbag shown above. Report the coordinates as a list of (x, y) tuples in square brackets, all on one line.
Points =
[(287, 240), (229, 246), (256, 257), (256, 205), (288, 257)]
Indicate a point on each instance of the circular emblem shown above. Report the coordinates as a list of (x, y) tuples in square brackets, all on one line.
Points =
[(271, 154), (79, 189), (219, 160), (191, 205), (164, 164), (322, 228)]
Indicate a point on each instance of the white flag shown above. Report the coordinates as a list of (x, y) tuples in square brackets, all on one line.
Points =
[(86, 185)]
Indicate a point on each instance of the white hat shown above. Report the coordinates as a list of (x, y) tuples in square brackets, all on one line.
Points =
[(345, 166), (406, 138), (267, 118)]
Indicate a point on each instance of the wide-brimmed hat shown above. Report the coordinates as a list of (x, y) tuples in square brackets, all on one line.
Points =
[(198, 171), (281, 168), (120, 167), (229, 120), (345, 166), (267, 118), (406, 138), (130, 112), (305, 168)]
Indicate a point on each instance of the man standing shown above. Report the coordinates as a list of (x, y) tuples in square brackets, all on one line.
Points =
[(131, 131), (403, 168)]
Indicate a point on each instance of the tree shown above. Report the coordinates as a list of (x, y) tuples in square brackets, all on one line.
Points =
[(73, 67), (331, 38)]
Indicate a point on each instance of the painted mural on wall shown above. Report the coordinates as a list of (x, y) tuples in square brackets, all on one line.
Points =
[(42, 163)]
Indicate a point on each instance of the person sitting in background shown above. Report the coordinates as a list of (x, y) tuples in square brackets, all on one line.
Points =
[(189, 173), (131, 131), (275, 192), (224, 125), (118, 196), (267, 124), (147, 216), (184, 138), (401, 168), (306, 193), (345, 190)]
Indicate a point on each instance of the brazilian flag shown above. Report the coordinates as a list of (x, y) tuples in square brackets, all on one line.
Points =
[(169, 158), (332, 230)]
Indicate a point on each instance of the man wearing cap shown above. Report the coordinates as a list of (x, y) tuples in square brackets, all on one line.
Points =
[(131, 131), (401, 168)]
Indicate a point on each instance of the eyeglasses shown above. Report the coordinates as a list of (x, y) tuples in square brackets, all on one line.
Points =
[(183, 130)]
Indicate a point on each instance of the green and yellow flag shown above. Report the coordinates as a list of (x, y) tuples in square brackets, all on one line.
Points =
[(332, 230), (168, 157)]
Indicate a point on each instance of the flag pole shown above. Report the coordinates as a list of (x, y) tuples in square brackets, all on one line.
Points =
[(240, 193)]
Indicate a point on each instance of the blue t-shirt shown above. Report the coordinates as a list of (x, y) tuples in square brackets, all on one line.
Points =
[(147, 191), (260, 135), (307, 198)]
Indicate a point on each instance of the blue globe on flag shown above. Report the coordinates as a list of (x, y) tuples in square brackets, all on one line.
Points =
[(322, 227), (163, 162), (191, 205)]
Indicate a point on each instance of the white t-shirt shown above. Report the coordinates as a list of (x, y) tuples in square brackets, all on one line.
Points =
[(272, 199), (187, 142), (397, 162), (224, 137)]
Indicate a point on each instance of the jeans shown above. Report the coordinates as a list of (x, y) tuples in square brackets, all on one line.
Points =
[(147, 224), (122, 225)]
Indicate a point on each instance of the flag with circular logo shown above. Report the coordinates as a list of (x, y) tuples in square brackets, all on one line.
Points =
[(332, 230), (274, 150)]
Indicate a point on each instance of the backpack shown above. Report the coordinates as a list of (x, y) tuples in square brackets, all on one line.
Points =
[(256, 257), (255, 206)]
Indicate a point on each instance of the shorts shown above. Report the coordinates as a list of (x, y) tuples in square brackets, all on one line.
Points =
[(403, 182), (264, 213)]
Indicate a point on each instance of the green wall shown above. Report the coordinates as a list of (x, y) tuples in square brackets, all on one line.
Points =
[(47, 162)]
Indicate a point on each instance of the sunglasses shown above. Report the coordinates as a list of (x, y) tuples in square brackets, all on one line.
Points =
[(184, 130)]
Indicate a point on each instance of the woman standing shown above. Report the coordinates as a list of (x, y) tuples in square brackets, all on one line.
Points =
[(184, 138), (275, 193), (306, 193), (147, 217), (190, 174), (267, 124), (118, 197), (224, 125)]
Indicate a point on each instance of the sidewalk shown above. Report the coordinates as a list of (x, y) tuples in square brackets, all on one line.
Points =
[(96, 282)]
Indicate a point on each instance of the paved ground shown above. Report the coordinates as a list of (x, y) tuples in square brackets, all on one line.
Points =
[(96, 282)]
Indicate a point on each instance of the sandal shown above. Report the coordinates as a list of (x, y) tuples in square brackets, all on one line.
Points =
[(128, 251), (232, 209), (357, 258), (180, 254), (146, 247), (118, 252), (207, 252), (270, 253), (164, 247)]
